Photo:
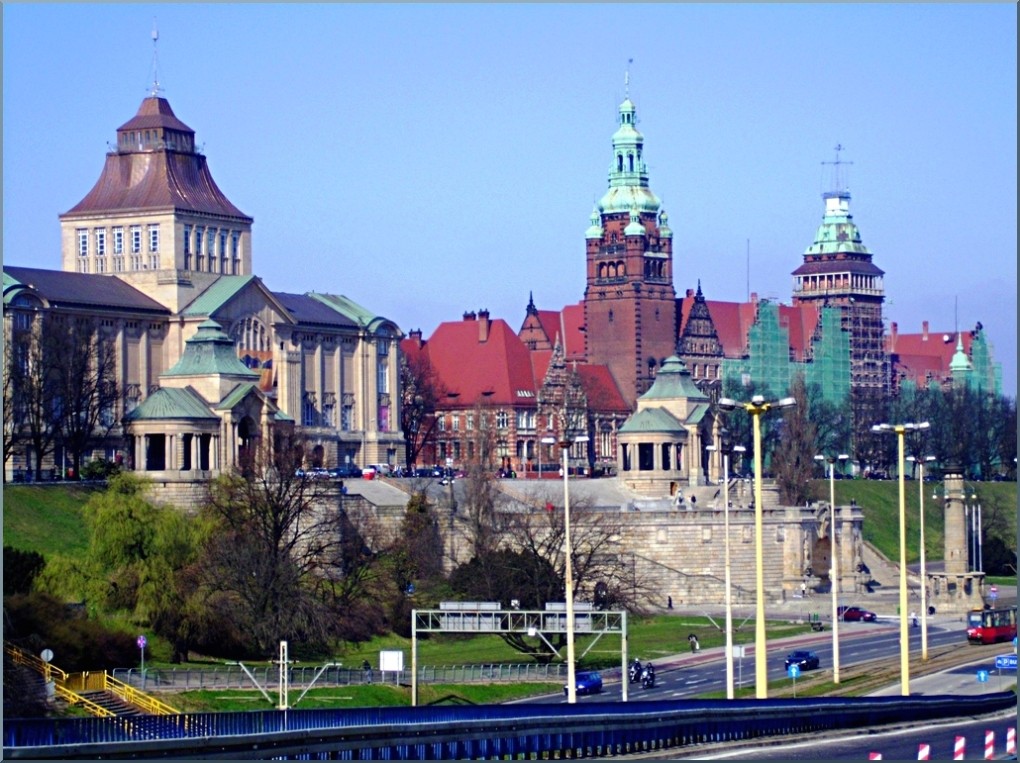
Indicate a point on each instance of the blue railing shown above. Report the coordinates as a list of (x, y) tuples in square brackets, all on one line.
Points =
[(458, 732)]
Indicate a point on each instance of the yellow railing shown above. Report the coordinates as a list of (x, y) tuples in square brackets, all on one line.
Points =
[(68, 686), (76, 699)]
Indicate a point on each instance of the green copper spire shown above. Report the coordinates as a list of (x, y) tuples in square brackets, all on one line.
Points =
[(837, 233), (960, 366), (664, 230), (595, 229), (628, 175), (634, 227)]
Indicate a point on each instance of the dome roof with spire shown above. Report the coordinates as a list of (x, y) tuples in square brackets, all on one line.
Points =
[(628, 174), (595, 229)]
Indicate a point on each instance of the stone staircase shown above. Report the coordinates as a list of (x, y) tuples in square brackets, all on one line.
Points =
[(111, 702)]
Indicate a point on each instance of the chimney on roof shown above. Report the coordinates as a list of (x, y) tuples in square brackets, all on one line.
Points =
[(924, 331), (754, 298), (415, 336), (469, 315), (483, 326)]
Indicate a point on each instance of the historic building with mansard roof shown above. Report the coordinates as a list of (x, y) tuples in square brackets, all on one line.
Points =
[(208, 357)]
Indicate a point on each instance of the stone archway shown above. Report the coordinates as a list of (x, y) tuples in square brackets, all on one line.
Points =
[(248, 436)]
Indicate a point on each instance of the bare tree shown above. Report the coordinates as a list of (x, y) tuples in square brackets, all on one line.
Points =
[(13, 409), (793, 459), (85, 375), (420, 389), (34, 372), (268, 551)]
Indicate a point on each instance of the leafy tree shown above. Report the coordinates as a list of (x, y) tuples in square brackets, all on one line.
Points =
[(794, 457)]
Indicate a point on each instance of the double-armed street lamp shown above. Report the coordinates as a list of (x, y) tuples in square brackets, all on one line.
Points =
[(920, 460), (900, 430), (834, 566), (756, 407), (726, 449)]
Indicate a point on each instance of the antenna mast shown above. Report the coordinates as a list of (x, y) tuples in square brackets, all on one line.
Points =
[(838, 178), (626, 79), (156, 89)]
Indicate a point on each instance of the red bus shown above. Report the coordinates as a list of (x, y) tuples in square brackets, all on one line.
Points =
[(986, 626)]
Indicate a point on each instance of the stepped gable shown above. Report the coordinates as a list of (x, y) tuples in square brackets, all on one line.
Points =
[(155, 166)]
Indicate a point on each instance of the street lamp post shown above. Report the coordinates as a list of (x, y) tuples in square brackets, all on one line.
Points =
[(919, 460), (834, 566), (900, 431), (755, 408), (726, 562)]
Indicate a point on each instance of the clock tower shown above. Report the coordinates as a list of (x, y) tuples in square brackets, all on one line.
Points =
[(629, 300)]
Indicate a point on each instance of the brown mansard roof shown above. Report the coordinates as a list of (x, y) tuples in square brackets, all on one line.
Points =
[(84, 290), (156, 178)]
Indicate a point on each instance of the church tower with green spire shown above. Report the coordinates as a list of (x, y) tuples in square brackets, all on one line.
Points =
[(629, 300)]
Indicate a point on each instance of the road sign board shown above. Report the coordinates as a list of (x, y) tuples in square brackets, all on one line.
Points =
[(1006, 662), (142, 642), (982, 676), (794, 671), (993, 593)]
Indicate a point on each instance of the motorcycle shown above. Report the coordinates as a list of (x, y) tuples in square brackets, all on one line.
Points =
[(635, 670), (648, 676)]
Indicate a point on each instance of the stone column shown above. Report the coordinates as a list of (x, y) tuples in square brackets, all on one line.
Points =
[(955, 553)]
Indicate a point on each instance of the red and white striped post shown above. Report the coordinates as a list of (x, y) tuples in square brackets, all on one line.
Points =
[(874, 756), (1011, 740), (960, 748), (989, 744), (924, 751)]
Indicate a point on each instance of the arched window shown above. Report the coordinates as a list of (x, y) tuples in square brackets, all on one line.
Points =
[(630, 162), (619, 162)]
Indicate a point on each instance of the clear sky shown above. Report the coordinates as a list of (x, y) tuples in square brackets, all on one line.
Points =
[(426, 160)]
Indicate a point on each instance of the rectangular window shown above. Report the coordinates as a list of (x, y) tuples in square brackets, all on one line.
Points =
[(384, 418), (118, 241), (470, 423), (383, 376), (136, 239), (223, 245), (210, 248), (199, 233), (83, 242), (154, 262), (502, 420), (187, 242), (118, 264), (382, 347), (455, 422), (154, 238), (440, 423), (308, 411), (100, 242), (347, 417)]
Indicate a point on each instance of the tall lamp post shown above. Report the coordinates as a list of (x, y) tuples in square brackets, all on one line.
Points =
[(834, 566), (756, 408), (900, 431), (726, 448), (919, 460)]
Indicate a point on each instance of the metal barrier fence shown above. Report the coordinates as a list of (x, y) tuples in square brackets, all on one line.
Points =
[(233, 677), (593, 729)]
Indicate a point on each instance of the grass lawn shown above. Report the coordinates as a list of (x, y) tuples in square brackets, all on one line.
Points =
[(46, 519)]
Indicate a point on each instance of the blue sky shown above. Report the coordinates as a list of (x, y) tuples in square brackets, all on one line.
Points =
[(426, 160)]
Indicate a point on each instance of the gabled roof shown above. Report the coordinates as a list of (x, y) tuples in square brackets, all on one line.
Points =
[(220, 291), (172, 403), (496, 371), (347, 307), (601, 389), (309, 311), (82, 290), (733, 321), (240, 392)]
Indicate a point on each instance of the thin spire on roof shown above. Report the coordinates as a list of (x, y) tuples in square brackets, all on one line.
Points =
[(626, 79), (156, 89), (838, 179)]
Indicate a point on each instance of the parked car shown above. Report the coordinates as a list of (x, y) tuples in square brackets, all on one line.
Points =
[(345, 472), (855, 614), (805, 660), (588, 682)]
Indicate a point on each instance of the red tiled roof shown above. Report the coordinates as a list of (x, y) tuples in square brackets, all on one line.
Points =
[(925, 355), (601, 389), (492, 372), (801, 321), (156, 180), (733, 321), (573, 319)]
